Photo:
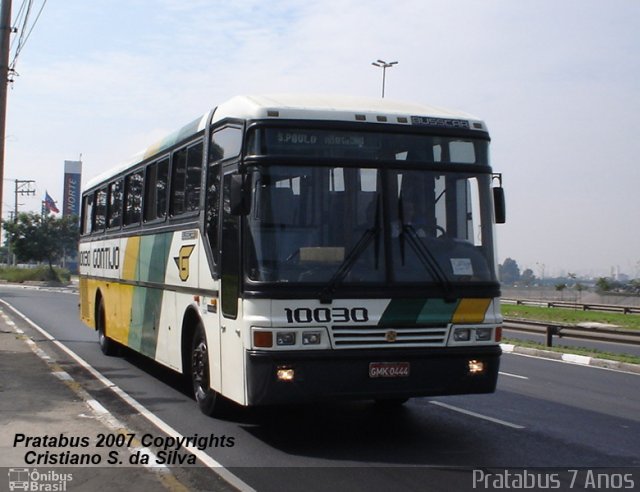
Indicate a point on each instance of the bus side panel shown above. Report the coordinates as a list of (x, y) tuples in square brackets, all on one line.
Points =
[(147, 302), (88, 289)]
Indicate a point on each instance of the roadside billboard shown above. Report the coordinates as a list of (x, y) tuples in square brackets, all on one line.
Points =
[(71, 198)]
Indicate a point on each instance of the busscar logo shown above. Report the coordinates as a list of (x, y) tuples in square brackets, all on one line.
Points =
[(182, 261)]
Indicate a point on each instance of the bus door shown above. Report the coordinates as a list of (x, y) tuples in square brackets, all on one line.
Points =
[(231, 340)]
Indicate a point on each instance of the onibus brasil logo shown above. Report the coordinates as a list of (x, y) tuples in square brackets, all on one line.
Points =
[(33, 480)]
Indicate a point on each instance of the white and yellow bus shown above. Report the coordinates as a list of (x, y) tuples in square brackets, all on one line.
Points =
[(285, 249)]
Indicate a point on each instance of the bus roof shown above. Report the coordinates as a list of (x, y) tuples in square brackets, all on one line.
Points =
[(335, 108), (307, 107)]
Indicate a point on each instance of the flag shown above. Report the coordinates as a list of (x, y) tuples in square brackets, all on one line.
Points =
[(50, 204)]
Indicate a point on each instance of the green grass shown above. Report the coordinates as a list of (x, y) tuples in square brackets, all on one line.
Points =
[(570, 316), (598, 354), (39, 274)]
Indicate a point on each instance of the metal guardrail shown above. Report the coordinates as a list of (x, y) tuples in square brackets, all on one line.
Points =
[(595, 333), (610, 308)]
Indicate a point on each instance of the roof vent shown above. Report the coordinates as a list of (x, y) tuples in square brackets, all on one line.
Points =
[(273, 113), (361, 117), (381, 118)]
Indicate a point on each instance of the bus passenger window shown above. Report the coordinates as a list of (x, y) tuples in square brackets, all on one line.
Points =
[(87, 213), (100, 210), (186, 179), (114, 208), (178, 181), (193, 178), (133, 198), (156, 189)]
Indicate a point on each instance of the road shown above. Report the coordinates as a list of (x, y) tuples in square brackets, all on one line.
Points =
[(544, 413)]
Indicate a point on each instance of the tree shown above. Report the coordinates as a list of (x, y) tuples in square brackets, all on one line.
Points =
[(43, 238), (603, 284), (527, 277), (560, 287), (509, 271)]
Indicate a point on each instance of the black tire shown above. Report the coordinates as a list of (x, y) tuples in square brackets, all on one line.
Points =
[(208, 400), (107, 345), (390, 403)]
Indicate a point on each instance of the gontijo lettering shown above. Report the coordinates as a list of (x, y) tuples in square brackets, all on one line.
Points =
[(106, 258)]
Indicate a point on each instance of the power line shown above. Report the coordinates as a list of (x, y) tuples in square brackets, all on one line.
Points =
[(24, 33)]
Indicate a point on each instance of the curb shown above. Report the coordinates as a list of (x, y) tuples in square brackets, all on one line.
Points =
[(583, 360)]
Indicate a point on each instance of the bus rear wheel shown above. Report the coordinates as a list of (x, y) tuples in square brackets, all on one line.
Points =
[(107, 345), (390, 403), (208, 400)]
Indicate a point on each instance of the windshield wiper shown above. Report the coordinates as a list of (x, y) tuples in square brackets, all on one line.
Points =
[(326, 294), (428, 260)]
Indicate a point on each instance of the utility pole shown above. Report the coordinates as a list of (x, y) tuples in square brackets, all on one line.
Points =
[(5, 34), (23, 188)]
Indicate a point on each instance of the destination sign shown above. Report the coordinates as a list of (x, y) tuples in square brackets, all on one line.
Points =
[(305, 137)]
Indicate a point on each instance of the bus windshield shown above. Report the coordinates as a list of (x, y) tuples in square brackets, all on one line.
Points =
[(369, 225)]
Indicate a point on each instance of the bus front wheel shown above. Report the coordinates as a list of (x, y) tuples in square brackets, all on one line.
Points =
[(208, 400)]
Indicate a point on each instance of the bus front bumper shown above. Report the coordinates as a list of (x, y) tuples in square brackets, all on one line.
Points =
[(287, 377)]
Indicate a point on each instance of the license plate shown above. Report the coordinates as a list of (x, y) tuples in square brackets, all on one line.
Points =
[(389, 369)]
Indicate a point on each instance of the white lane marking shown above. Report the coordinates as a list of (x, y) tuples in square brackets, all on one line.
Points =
[(620, 370), (512, 375), (101, 412), (208, 461), (475, 414)]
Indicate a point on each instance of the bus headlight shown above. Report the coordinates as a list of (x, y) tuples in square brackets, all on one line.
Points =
[(311, 338), (462, 335), (294, 338), (483, 334), (285, 338)]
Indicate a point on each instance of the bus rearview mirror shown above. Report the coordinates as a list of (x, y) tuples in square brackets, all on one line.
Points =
[(499, 205)]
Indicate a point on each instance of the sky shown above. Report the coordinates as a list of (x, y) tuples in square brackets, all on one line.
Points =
[(556, 81)]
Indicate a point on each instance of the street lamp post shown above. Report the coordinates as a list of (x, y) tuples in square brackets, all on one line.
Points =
[(384, 65)]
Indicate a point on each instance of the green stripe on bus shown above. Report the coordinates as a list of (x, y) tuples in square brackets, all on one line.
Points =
[(152, 259), (437, 311), (147, 302), (145, 315), (411, 312), (402, 312)]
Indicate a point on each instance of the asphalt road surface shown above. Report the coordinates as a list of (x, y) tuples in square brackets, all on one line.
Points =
[(548, 419)]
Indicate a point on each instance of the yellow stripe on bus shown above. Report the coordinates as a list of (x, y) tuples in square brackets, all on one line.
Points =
[(471, 311), (130, 265)]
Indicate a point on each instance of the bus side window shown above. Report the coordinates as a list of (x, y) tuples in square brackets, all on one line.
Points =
[(87, 213), (114, 205), (178, 177), (156, 189), (133, 198), (225, 143), (193, 178), (100, 210), (212, 211)]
